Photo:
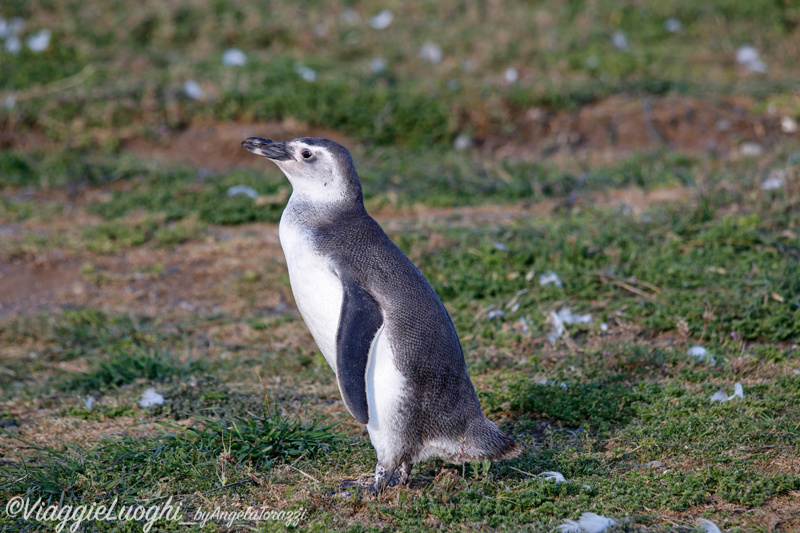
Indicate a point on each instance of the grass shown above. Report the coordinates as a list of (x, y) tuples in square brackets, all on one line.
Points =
[(663, 270), (597, 406), (165, 205), (209, 456), (99, 86), (122, 367), (125, 272)]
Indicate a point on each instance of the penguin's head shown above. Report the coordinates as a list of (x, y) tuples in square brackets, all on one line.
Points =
[(318, 169)]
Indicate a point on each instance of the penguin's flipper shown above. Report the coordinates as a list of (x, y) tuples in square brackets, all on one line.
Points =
[(359, 321)]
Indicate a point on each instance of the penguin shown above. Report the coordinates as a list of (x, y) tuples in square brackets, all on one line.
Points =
[(377, 321)]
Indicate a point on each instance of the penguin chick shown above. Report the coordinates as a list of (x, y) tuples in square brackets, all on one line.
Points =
[(377, 321)]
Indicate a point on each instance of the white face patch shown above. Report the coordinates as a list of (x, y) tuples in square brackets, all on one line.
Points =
[(315, 173)]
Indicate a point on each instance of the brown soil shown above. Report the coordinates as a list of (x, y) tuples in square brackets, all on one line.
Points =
[(201, 275), (619, 126), (607, 130), (218, 146), (240, 271), (195, 277)]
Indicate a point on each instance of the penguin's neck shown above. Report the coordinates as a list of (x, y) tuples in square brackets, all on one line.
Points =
[(310, 212)]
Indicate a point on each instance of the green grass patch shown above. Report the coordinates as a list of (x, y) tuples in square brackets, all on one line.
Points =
[(725, 277), (383, 114), (590, 405), (67, 166), (163, 195), (181, 195), (84, 330), (28, 69), (99, 412), (121, 367), (140, 67), (207, 457), (447, 178), (207, 397)]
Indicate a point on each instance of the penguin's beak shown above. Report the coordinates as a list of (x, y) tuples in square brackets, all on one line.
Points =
[(274, 150)]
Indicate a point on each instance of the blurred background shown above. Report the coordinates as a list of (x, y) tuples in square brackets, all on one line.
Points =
[(522, 80), (121, 122)]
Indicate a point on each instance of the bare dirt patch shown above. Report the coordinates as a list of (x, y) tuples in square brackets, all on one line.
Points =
[(777, 514), (604, 131), (202, 275), (245, 262), (217, 147), (230, 271), (621, 125), (26, 286)]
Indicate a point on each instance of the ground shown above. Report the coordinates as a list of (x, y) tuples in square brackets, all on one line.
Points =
[(658, 190), (217, 302)]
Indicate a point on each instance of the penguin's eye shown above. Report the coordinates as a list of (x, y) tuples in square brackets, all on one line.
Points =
[(306, 153)]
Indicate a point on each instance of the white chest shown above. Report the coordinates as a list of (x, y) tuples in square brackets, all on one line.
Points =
[(316, 288)]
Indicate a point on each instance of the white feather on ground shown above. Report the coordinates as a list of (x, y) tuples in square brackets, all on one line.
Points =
[(382, 20), (193, 90), (708, 526), (587, 523), (307, 73), (565, 316), (558, 477), (738, 390), (702, 354), (151, 398), (38, 42), (550, 277), (233, 57), (720, 396), (243, 189)]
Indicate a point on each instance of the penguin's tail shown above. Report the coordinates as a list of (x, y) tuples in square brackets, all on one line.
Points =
[(486, 441)]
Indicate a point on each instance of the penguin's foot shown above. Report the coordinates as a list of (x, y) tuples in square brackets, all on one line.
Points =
[(400, 476), (382, 478)]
